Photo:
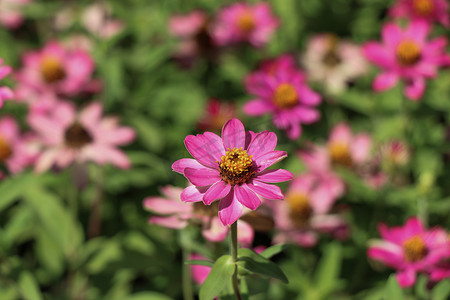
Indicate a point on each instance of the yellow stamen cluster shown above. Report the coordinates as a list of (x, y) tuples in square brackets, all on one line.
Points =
[(52, 69), (300, 208), (246, 22), (236, 166), (5, 149), (340, 154), (285, 96), (423, 7), (408, 53), (414, 248)]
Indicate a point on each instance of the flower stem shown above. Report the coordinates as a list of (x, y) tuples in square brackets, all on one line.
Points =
[(188, 293), (95, 220), (234, 250)]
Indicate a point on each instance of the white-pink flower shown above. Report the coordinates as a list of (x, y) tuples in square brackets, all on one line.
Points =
[(68, 136), (10, 12)]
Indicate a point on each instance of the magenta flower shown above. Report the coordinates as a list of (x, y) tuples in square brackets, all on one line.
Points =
[(306, 211), (232, 168), (408, 55), (410, 249), (5, 92), (175, 214), (68, 136), (285, 95), (425, 10), (283, 62), (10, 13), (242, 22)]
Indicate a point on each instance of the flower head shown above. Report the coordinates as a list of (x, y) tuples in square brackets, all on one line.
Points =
[(232, 168), (407, 54), (242, 22), (68, 136), (10, 12), (410, 249), (424, 10), (5, 92)]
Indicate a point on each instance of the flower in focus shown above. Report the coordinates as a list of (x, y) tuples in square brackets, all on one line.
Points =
[(232, 168), (15, 149), (306, 212), (406, 54), (67, 136), (54, 69), (175, 214), (333, 62), (10, 12), (242, 22), (425, 10), (216, 115), (284, 94), (5, 92), (410, 249)]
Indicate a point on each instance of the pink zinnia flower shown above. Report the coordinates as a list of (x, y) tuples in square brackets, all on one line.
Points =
[(232, 168), (285, 95), (68, 136), (10, 12), (333, 62), (175, 214), (55, 69), (305, 212), (410, 249), (5, 92), (242, 22), (425, 10), (408, 55), (216, 115)]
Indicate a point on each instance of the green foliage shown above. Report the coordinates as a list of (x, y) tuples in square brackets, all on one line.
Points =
[(218, 278)]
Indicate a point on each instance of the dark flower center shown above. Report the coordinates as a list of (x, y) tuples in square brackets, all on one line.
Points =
[(76, 136), (5, 149), (285, 96), (236, 166), (300, 209), (414, 249), (52, 69), (331, 57), (423, 7), (340, 154), (408, 53), (246, 22)]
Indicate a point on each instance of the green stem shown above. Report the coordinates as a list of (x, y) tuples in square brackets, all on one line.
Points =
[(234, 257), (422, 209), (188, 293)]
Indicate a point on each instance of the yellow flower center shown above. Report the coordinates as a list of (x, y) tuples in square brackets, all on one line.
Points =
[(423, 7), (5, 149), (236, 166), (340, 154), (285, 96), (408, 53), (52, 69), (300, 209), (246, 22), (76, 136), (414, 248)]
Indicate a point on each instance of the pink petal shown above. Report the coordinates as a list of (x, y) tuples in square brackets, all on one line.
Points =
[(273, 176), (230, 209), (91, 115), (360, 148), (192, 194), (217, 191), (308, 96), (377, 54), (415, 88), (202, 176), (418, 30), (184, 163), (413, 226), (406, 278), (257, 107), (307, 115), (388, 253), (266, 160), (233, 134), (341, 133), (200, 148), (217, 232), (391, 34), (172, 222), (263, 142), (247, 197), (246, 233), (384, 81), (165, 206), (265, 190)]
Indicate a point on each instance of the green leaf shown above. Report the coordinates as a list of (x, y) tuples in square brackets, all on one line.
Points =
[(274, 250), (221, 272), (12, 188), (255, 263), (28, 287), (393, 290), (199, 262), (441, 291), (329, 268)]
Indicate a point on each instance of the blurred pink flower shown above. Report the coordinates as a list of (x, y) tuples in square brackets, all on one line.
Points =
[(199, 273), (54, 69), (10, 12), (5, 92), (305, 213), (285, 95), (232, 168), (242, 22), (216, 115), (176, 214), (410, 249), (425, 10), (68, 136), (284, 62), (407, 54), (333, 62), (96, 18), (15, 151)]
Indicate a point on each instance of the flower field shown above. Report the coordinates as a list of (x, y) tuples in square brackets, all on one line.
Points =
[(224, 149)]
